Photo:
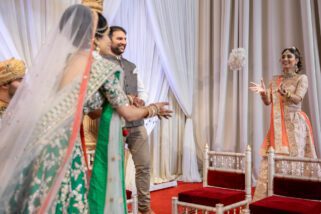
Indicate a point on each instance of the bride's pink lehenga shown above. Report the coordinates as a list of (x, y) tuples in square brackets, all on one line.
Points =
[(290, 130)]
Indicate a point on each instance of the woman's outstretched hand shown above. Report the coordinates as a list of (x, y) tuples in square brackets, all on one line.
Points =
[(258, 88)]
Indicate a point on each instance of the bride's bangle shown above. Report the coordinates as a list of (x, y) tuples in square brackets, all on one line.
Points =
[(288, 95), (130, 99), (153, 110)]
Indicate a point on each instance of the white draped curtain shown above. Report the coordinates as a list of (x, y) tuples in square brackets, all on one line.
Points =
[(311, 36), (227, 115), (111, 7), (7, 47), (174, 28), (25, 25)]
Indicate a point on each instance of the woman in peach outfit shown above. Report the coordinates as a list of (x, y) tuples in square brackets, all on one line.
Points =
[(290, 131)]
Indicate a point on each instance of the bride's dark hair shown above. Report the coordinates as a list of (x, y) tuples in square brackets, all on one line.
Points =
[(80, 19), (102, 26)]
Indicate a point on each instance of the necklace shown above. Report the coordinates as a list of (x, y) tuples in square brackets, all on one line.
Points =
[(288, 75)]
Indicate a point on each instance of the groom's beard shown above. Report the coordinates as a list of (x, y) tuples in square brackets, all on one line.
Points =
[(118, 50)]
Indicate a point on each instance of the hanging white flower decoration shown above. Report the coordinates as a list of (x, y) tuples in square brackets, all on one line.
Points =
[(237, 59)]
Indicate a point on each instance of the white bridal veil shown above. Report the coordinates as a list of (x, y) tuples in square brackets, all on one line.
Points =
[(46, 109)]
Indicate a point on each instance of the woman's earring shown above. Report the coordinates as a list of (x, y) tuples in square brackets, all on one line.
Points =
[(96, 46)]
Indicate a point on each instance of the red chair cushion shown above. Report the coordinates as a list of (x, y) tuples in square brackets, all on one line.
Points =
[(279, 204), (128, 194), (210, 196), (229, 180), (297, 188)]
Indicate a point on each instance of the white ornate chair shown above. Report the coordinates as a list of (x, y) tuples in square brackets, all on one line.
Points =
[(226, 185), (294, 186)]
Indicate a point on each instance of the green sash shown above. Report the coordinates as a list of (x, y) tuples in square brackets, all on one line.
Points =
[(99, 177)]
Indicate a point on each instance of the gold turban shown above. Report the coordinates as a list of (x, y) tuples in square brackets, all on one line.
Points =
[(11, 69), (96, 5)]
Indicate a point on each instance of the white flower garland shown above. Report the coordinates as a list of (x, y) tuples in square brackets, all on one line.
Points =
[(237, 59)]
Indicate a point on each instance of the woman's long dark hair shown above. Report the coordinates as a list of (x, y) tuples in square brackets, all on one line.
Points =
[(102, 26), (79, 18)]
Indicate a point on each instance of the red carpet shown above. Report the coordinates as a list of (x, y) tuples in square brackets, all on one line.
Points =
[(161, 200)]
